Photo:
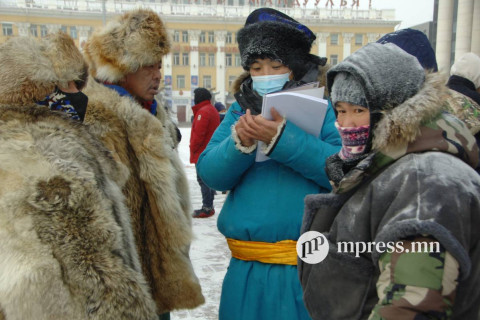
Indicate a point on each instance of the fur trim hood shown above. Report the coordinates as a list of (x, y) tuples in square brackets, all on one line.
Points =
[(30, 69), (419, 124), (135, 39)]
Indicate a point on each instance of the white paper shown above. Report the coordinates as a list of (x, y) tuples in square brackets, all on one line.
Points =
[(306, 109)]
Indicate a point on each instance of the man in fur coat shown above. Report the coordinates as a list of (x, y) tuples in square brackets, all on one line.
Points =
[(67, 249), (125, 58)]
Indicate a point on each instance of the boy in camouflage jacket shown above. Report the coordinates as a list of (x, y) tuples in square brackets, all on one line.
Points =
[(402, 178)]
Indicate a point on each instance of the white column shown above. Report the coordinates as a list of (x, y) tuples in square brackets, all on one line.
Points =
[(347, 46), (475, 46), (444, 35), (220, 83), (194, 59), (372, 37), (464, 28), (23, 28), (322, 43), (168, 81)]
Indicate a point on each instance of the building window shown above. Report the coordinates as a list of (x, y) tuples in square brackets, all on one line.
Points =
[(229, 37), (228, 59), (7, 29), (236, 37), (176, 36), (203, 59), (185, 36), (207, 81), (201, 39), (181, 82), (73, 32), (33, 30), (333, 59), (211, 59), (334, 39), (43, 31), (63, 29), (238, 60), (358, 39), (176, 59), (211, 37), (230, 2), (185, 59)]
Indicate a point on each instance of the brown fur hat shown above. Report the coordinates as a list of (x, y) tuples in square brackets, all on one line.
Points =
[(30, 68), (135, 39)]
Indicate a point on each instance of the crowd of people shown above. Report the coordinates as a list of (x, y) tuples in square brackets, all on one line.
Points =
[(95, 212)]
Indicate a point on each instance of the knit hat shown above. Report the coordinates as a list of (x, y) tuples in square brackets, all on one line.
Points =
[(345, 88), (468, 67), (387, 75), (30, 69), (135, 39), (415, 43), (269, 33), (201, 94), (219, 106)]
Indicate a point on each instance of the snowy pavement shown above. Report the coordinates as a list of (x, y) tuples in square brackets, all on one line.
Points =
[(209, 251)]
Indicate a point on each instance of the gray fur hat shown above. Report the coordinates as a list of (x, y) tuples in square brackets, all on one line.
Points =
[(387, 75), (345, 88), (269, 33)]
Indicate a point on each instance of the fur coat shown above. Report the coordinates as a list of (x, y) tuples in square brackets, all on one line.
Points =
[(67, 248), (156, 191)]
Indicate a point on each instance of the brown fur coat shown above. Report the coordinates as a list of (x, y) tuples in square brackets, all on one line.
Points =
[(67, 249), (156, 191)]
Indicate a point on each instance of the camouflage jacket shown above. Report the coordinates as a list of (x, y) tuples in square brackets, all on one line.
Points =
[(418, 181)]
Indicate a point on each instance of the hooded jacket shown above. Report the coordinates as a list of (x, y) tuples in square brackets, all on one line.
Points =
[(418, 179), (67, 248), (156, 191)]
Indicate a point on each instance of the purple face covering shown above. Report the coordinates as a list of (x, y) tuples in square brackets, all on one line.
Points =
[(354, 140)]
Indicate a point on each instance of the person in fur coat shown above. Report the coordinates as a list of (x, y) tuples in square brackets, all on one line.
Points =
[(405, 194), (264, 208), (67, 248), (125, 58)]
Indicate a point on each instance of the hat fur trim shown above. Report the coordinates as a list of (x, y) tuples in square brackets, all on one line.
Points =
[(137, 38)]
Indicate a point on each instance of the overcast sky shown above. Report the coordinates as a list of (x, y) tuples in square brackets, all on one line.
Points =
[(410, 12)]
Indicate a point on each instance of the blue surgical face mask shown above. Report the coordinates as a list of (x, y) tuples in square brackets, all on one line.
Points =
[(269, 83)]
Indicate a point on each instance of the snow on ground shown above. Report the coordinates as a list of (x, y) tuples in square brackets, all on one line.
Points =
[(209, 251)]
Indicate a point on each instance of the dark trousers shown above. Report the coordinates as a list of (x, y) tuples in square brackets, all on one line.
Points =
[(207, 193)]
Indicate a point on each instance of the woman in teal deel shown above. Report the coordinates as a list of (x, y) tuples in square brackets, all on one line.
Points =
[(262, 215)]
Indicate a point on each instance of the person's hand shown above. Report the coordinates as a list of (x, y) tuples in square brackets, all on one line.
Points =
[(263, 129), (243, 128)]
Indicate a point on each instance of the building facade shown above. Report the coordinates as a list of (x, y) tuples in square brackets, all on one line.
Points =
[(458, 30), (203, 34)]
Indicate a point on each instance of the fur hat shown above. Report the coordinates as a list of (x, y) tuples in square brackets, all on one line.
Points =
[(269, 33), (201, 94), (415, 43), (135, 39), (387, 74), (468, 67), (30, 69)]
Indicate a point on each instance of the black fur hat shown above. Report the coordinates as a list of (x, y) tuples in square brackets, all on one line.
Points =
[(201, 94), (269, 33)]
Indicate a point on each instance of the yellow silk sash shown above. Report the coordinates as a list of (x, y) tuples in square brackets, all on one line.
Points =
[(282, 252)]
